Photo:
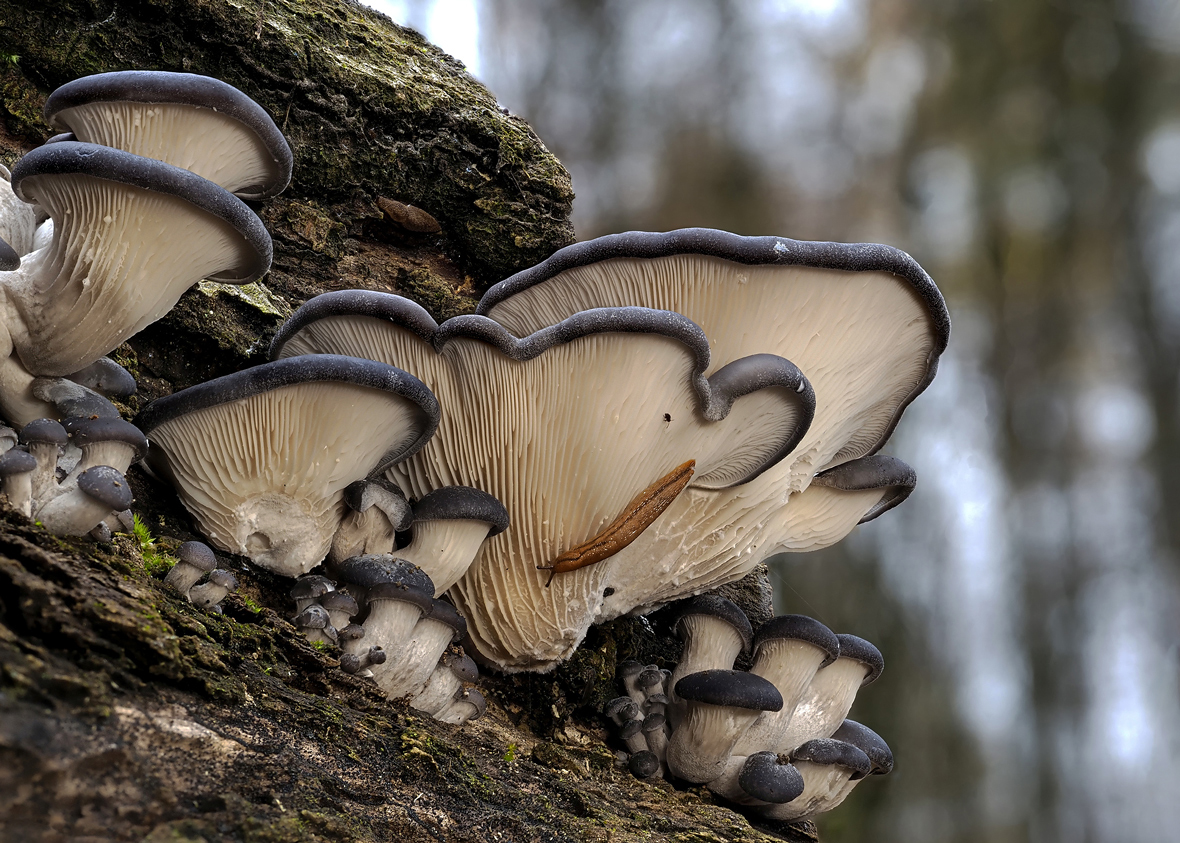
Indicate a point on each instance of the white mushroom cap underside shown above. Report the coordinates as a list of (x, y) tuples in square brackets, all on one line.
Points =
[(206, 142), (120, 259), (862, 339), (18, 220), (565, 441), (264, 475)]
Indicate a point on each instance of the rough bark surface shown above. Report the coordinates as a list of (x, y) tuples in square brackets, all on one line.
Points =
[(128, 714)]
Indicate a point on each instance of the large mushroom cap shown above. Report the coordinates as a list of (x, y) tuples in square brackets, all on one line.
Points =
[(566, 427), (131, 234), (799, 628), (863, 322), (261, 457), (195, 122), (373, 569), (733, 688)]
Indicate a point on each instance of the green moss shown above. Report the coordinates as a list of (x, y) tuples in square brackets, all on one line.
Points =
[(435, 294), (155, 562), (255, 295)]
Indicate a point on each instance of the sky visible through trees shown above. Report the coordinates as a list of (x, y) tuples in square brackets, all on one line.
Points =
[(1027, 153)]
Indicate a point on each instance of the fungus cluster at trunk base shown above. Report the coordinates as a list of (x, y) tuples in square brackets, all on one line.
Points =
[(774, 740)]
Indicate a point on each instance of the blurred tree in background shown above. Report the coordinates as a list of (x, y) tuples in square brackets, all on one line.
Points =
[(1027, 152)]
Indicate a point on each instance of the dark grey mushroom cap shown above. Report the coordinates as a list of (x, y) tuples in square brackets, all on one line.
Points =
[(652, 722), (290, 371), (658, 699), (107, 486), (376, 655), (9, 259), (311, 587), (473, 696), (62, 136), (114, 165), (630, 729), (721, 608), (314, 616), (16, 461), (223, 578), (463, 666), (830, 752), (44, 432), (630, 668), (734, 688), (340, 601), (874, 472), (650, 677), (352, 632), (643, 764), (157, 86), (455, 502), (770, 777), (621, 708), (106, 377), (400, 593), (72, 400), (852, 647), (444, 612), (373, 569), (197, 554), (868, 742), (89, 431), (799, 628)]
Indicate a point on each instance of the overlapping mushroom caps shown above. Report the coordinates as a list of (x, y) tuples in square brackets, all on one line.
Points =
[(863, 322), (583, 430), (262, 457), (129, 226)]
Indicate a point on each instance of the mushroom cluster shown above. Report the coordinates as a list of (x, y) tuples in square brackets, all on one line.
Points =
[(197, 577), (102, 229), (405, 638), (773, 740), (658, 413)]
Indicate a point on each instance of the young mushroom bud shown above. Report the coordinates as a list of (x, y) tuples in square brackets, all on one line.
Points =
[(44, 439), (445, 683), (450, 524), (721, 705), (112, 442), (340, 606), (621, 709), (632, 735), (829, 697), (309, 589), (99, 492), (17, 468), (193, 561), (315, 624), (827, 766), (209, 594), (107, 378), (629, 674), (470, 705), (644, 764), (376, 510), (759, 779), (394, 610)]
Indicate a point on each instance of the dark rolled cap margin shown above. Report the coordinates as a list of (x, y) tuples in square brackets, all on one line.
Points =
[(43, 432), (314, 616), (311, 587), (159, 86), (722, 608), (734, 688), (292, 371), (799, 628), (621, 708), (197, 554), (107, 486), (444, 612), (224, 579), (106, 377), (340, 601), (462, 502), (101, 162), (874, 472), (373, 569), (473, 696), (630, 729), (643, 764), (830, 752), (9, 259), (463, 666), (770, 777), (864, 652), (401, 593), (868, 742)]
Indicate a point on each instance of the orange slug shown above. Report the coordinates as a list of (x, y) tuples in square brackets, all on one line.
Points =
[(633, 520)]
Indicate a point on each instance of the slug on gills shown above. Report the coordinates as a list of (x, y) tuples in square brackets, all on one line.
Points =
[(633, 520)]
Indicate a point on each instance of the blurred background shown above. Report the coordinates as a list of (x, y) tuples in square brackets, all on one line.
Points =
[(1027, 153)]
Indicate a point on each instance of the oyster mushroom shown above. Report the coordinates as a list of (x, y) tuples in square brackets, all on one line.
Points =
[(377, 509), (193, 561), (261, 457), (449, 526)]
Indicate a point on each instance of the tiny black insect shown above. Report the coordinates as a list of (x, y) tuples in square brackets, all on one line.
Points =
[(667, 417)]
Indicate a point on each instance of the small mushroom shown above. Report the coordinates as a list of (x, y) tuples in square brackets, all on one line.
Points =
[(193, 561), (721, 705), (445, 682), (44, 439), (209, 594), (469, 705), (377, 509), (829, 696), (394, 610), (644, 764), (763, 778), (450, 524), (868, 742), (17, 468), (788, 650), (106, 377), (112, 442), (340, 606), (315, 624), (826, 766), (308, 589), (714, 631), (99, 491)]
